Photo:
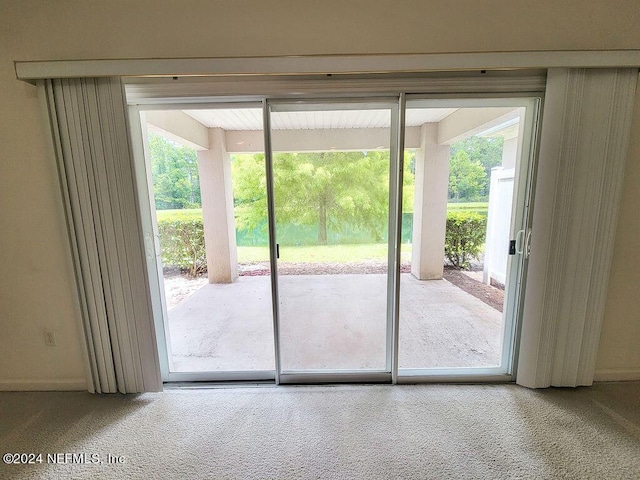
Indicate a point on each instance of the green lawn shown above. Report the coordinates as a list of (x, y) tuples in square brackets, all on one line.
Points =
[(180, 214), (477, 207), (321, 253)]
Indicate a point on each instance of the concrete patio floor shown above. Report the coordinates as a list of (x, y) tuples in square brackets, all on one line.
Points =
[(331, 322)]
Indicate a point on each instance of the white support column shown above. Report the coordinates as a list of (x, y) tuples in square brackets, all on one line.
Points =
[(214, 166), (510, 151), (430, 205)]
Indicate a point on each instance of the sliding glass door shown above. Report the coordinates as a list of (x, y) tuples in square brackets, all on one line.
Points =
[(204, 174), (332, 170), (466, 173), (307, 241)]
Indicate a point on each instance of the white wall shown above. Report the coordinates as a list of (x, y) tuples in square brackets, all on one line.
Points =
[(36, 285), (619, 353)]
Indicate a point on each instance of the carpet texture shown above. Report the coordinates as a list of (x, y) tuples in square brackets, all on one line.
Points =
[(331, 432)]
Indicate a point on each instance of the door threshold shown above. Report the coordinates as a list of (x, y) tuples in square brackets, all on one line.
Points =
[(208, 384)]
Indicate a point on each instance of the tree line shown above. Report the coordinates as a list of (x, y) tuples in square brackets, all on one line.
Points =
[(327, 189)]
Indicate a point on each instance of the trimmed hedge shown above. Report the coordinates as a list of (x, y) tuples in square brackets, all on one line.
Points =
[(182, 241), (464, 238)]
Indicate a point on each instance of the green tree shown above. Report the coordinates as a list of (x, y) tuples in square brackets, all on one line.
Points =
[(485, 150), (466, 178), (249, 191), (408, 181), (174, 171), (327, 189)]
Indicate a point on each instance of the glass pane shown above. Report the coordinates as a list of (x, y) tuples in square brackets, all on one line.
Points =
[(460, 165), (331, 178), (210, 202)]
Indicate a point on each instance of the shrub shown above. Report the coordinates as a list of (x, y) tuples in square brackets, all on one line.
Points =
[(182, 241), (464, 237)]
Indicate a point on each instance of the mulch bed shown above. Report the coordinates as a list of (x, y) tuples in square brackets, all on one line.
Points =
[(353, 268), (491, 295)]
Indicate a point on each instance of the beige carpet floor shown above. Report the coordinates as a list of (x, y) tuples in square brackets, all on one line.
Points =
[(334, 432)]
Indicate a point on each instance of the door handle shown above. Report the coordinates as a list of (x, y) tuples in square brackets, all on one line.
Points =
[(517, 246), (158, 245), (527, 244), (148, 244), (277, 250)]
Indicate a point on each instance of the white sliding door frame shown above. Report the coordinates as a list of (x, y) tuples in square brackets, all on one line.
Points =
[(530, 100), (520, 222), (529, 97), (153, 249), (150, 235), (393, 267)]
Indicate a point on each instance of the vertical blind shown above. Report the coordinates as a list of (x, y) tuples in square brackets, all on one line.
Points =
[(88, 120), (583, 151)]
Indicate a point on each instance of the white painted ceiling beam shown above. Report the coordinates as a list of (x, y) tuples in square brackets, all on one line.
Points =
[(340, 139), (179, 127), (466, 122)]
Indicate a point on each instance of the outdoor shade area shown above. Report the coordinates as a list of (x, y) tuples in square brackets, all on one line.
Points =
[(230, 327), (331, 182)]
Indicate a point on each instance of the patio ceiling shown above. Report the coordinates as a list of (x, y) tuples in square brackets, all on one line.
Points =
[(341, 129), (251, 118)]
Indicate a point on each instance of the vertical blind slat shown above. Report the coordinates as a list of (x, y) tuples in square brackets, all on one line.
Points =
[(81, 221), (64, 175)]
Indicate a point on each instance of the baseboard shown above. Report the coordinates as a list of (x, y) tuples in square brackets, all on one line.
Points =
[(64, 384), (616, 375)]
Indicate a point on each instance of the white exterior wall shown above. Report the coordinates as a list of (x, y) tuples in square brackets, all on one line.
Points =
[(496, 248)]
